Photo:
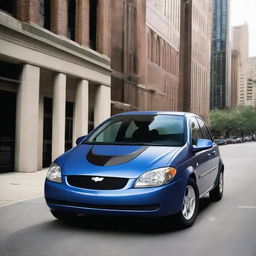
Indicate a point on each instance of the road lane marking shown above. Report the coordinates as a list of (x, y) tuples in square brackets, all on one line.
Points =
[(247, 207)]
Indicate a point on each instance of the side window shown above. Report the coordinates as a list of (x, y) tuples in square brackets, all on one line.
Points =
[(196, 132), (205, 132)]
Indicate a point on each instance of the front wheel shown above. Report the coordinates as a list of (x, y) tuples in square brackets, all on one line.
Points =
[(187, 216), (217, 193)]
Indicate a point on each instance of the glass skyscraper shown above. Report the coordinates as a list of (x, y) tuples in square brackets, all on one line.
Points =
[(219, 97)]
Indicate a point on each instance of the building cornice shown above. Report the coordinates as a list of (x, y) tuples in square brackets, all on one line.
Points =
[(39, 39)]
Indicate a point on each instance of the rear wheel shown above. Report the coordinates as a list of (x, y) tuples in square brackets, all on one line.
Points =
[(217, 193), (64, 216), (187, 216)]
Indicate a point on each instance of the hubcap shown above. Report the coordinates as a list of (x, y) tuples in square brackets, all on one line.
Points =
[(221, 183), (189, 202)]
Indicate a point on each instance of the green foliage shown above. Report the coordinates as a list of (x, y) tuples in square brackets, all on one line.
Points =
[(239, 121)]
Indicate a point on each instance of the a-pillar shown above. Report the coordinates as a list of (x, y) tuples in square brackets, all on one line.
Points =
[(58, 115), (102, 104), (80, 125), (26, 146)]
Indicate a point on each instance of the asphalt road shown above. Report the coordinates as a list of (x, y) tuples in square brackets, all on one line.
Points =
[(224, 228)]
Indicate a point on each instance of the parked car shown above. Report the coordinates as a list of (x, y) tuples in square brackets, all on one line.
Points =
[(247, 138), (138, 164), (231, 140), (239, 140), (220, 141)]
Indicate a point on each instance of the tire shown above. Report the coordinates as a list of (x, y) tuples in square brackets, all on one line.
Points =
[(63, 216), (187, 216), (217, 193)]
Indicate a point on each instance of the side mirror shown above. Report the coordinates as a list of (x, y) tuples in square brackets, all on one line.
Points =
[(80, 139), (202, 144)]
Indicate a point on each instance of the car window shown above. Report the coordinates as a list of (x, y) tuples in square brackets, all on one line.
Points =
[(196, 132), (109, 133), (205, 132), (161, 130)]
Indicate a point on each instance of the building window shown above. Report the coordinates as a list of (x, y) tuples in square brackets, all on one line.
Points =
[(8, 6), (93, 23), (45, 15), (158, 51), (71, 19)]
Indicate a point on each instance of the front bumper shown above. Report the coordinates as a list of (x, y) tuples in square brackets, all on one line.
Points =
[(151, 202)]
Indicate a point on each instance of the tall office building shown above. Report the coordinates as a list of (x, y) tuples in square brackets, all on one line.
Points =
[(196, 22), (240, 43), (220, 64), (235, 76)]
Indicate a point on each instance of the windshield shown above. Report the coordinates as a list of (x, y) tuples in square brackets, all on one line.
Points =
[(153, 130)]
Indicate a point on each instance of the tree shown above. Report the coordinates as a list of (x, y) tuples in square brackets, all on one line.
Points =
[(239, 121)]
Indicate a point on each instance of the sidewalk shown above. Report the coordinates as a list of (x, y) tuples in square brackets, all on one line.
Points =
[(17, 186)]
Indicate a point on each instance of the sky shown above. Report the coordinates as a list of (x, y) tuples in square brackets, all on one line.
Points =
[(245, 11)]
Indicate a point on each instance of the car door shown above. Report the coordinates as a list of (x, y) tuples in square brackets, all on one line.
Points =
[(213, 154), (201, 160)]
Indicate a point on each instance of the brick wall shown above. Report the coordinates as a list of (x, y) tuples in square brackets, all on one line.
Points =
[(28, 11), (82, 22), (59, 17)]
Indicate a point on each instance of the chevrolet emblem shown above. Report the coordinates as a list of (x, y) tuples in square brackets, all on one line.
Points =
[(97, 179)]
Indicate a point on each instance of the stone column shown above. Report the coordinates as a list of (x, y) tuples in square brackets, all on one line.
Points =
[(26, 147), (82, 22), (102, 105), (58, 115), (103, 38), (80, 121)]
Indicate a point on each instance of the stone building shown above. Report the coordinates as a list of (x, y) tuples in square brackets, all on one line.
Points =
[(55, 77), (235, 75), (196, 23), (251, 83), (240, 42), (243, 69)]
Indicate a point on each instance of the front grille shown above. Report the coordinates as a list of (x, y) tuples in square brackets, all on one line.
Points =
[(107, 183), (150, 207)]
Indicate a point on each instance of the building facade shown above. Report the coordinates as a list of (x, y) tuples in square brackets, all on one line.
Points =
[(251, 83), (235, 76), (240, 43), (55, 77), (196, 55), (145, 55), (220, 75)]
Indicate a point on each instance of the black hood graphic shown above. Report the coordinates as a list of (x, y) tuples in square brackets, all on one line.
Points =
[(106, 160)]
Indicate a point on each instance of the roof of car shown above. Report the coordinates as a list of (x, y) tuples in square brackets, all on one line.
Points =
[(155, 113)]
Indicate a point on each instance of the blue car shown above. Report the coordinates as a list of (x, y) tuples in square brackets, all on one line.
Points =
[(147, 164)]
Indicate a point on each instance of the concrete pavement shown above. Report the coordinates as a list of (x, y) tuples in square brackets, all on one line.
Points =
[(16, 186)]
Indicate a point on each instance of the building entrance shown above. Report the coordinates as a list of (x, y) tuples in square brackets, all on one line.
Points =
[(7, 130), (47, 139)]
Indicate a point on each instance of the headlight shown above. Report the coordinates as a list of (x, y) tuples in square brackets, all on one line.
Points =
[(54, 173), (156, 177)]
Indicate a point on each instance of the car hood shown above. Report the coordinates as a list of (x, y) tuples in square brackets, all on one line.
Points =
[(114, 160)]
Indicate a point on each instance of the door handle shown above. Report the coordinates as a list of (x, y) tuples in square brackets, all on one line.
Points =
[(214, 153)]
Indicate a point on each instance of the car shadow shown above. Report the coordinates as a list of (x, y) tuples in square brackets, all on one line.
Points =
[(129, 224)]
